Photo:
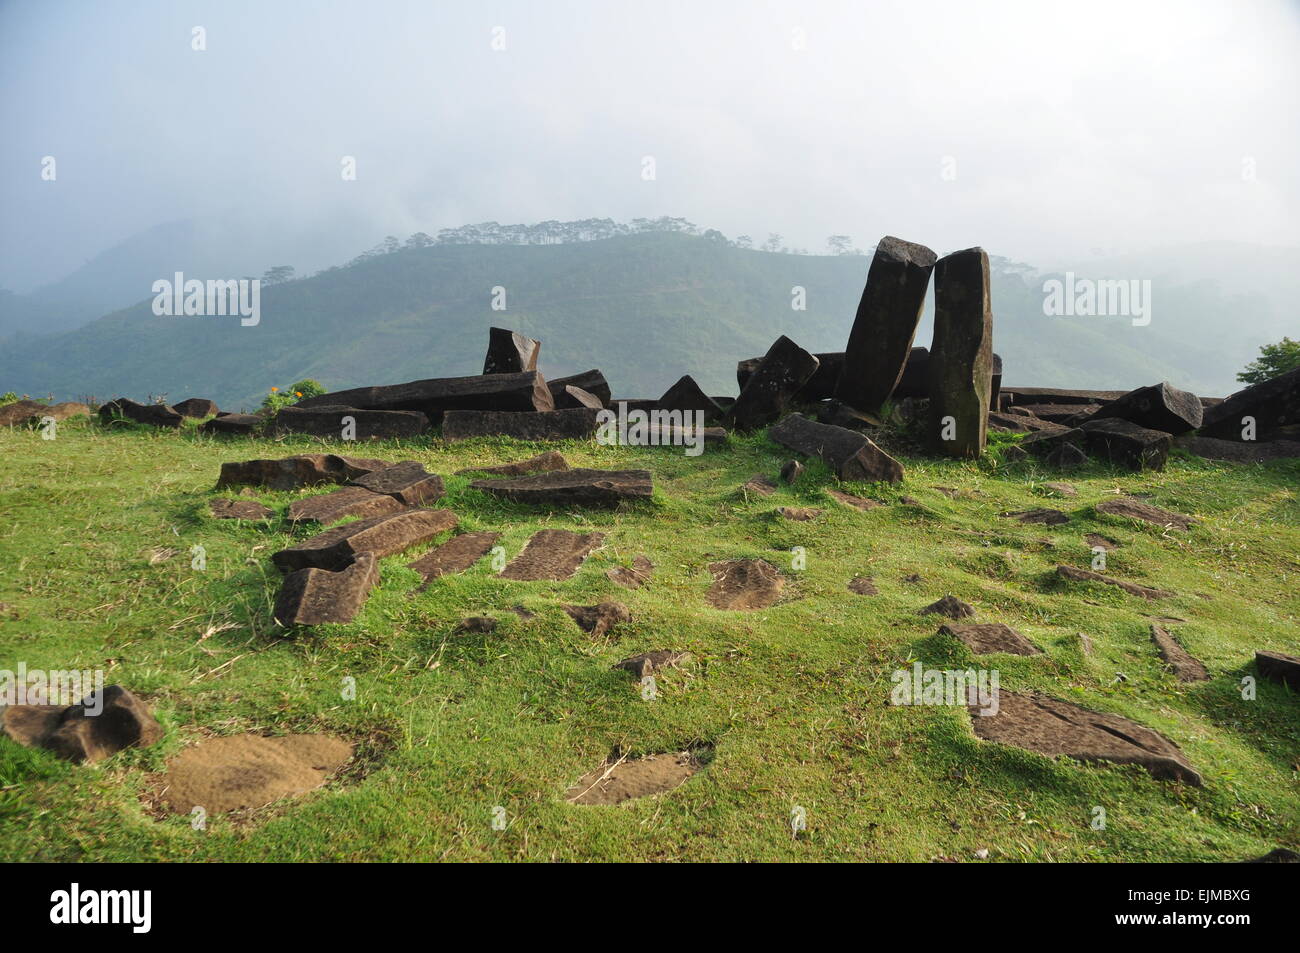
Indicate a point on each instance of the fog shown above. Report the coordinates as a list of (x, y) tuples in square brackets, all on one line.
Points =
[(1045, 132)]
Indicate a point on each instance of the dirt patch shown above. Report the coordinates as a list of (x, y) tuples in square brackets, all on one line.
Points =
[(759, 483), (634, 577), (857, 502), (800, 514), (619, 780), (552, 554), (1094, 540), (455, 555), (1137, 510), (863, 586), (249, 771), (744, 584), (647, 663), (599, 619)]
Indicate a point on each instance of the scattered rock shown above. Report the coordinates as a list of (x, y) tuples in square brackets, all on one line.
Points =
[(1135, 509), (240, 510), (1086, 575), (97, 727), (1056, 728), (510, 353), (744, 584), (767, 394), (542, 463), (619, 780), (1180, 661), (341, 422), (579, 487), (1126, 444), (647, 663), (237, 424), (949, 606), (885, 324), (1067, 414), (524, 391), (863, 586), (249, 771), (593, 382), (686, 395), (960, 365), (1047, 517), (856, 502), (455, 555), (1158, 407), (478, 625), (634, 577), (599, 619), (984, 638), (1055, 395), (1272, 405), (407, 482), (315, 596), (156, 415), (576, 423), (336, 548), (1279, 668), (800, 514), (22, 413), (304, 469), (1061, 489), (1093, 541), (552, 554), (761, 484), (196, 407), (1043, 443), (1249, 451), (331, 507), (851, 455), (791, 471)]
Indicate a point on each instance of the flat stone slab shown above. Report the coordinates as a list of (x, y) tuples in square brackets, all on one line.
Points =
[(328, 508), (1047, 517), (1180, 661), (340, 422), (578, 487), (407, 482), (856, 502), (1059, 729), (315, 596), (552, 554), (523, 391), (237, 424), (851, 455), (634, 576), (336, 548), (91, 730), (240, 510), (542, 463), (1023, 423), (304, 469), (597, 620), (1126, 444), (577, 423), (759, 483), (984, 638), (620, 780), (1279, 668), (155, 415), (744, 584), (863, 586), (647, 663), (949, 606), (455, 555), (1087, 575), (799, 514), (1135, 509)]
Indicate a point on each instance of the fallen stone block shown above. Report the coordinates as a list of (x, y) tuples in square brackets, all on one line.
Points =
[(1278, 667), (196, 407), (542, 463), (1087, 575), (759, 483), (1070, 415), (767, 394), (799, 514), (156, 415), (584, 399), (331, 507), (525, 391), (1128, 507), (1261, 410), (240, 510), (579, 423), (314, 596), (960, 366), (304, 469), (593, 382), (1158, 407), (407, 482), (350, 423), (851, 455), (455, 555), (1239, 451), (1056, 395), (1023, 423), (240, 424), (100, 725), (22, 413), (839, 414), (856, 502), (1125, 443), (597, 620), (553, 554), (579, 487), (984, 638), (335, 548), (510, 353), (1180, 661)]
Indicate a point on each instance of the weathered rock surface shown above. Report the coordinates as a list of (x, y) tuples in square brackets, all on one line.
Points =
[(542, 463), (31, 412), (592, 381), (851, 455), (839, 414), (791, 470), (156, 415), (1279, 668), (91, 730), (759, 483), (687, 395), (599, 619), (1126, 444), (336, 548), (1274, 404), (885, 324), (1047, 517), (552, 554), (1239, 451), (196, 407), (856, 502), (1056, 728), (578, 487), (785, 369), (341, 422), (327, 508), (315, 596), (1180, 661), (584, 399), (1065, 456), (744, 584), (1087, 575), (1131, 508), (407, 482), (960, 365), (510, 353), (648, 663), (1056, 395), (241, 424), (224, 509), (1023, 423), (455, 555), (576, 423), (525, 391), (799, 514), (863, 586), (304, 469), (1158, 407), (983, 638), (949, 606), (634, 576)]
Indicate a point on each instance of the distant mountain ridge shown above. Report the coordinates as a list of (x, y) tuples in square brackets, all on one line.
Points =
[(645, 308)]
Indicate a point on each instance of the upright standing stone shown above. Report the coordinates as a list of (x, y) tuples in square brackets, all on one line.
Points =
[(885, 324), (786, 367), (960, 368), (510, 353)]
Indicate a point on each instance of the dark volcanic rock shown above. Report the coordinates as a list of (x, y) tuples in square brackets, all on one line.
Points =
[(1047, 517), (331, 421), (1056, 728), (821, 386), (1067, 414), (759, 483), (542, 463), (1158, 407), (407, 482), (510, 353), (839, 414), (1279, 668), (949, 606), (599, 619), (157, 415), (327, 508), (850, 454), (1126, 444), (241, 424), (335, 548), (455, 555), (580, 487), (1180, 661), (304, 469), (524, 391), (1065, 456), (196, 407), (1087, 575), (1043, 442), (687, 395), (791, 470), (314, 596), (240, 510), (583, 398), (577, 423), (961, 355), (983, 638), (1239, 451), (99, 726), (593, 382), (553, 554), (1023, 423), (1137, 510), (766, 395), (1274, 404), (885, 324), (1056, 395)]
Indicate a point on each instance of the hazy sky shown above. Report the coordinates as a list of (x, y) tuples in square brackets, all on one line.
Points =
[(1071, 128)]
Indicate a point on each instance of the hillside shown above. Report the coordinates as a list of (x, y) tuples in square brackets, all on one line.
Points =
[(644, 308)]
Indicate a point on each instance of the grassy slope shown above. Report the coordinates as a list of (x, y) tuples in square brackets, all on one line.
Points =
[(794, 698)]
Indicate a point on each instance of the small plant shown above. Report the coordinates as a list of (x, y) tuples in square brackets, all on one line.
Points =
[(1273, 361), (277, 399), (8, 397)]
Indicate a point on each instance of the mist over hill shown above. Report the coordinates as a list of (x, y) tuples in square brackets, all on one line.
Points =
[(645, 308)]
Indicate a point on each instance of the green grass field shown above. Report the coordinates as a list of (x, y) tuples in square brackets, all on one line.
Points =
[(793, 700)]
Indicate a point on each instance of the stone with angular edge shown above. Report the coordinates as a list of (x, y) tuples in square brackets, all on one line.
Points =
[(1043, 443), (224, 509), (1279, 667), (1131, 508), (1055, 728), (949, 606), (583, 398), (791, 470), (984, 638), (455, 555), (196, 407), (960, 365), (597, 620), (1132, 588), (525, 391), (510, 352), (304, 469), (407, 482), (577, 423), (542, 463), (327, 508), (820, 386), (785, 369), (1239, 451), (341, 422), (97, 727), (851, 455), (240, 424), (883, 329), (1056, 395), (1273, 405), (1125, 443), (1157, 407), (839, 414), (687, 395), (1068, 415), (1023, 423), (335, 548), (553, 554), (1065, 456), (1180, 661), (592, 381), (316, 596), (578, 487), (156, 415)]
